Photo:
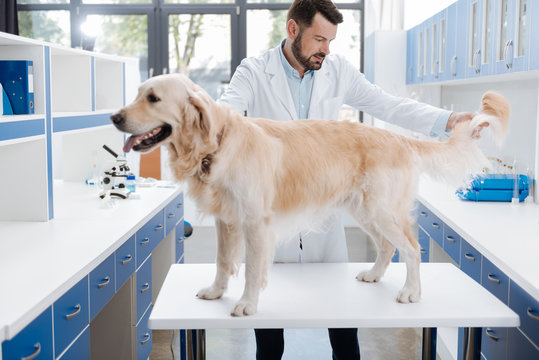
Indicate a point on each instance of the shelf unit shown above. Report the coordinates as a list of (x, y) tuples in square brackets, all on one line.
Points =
[(75, 93)]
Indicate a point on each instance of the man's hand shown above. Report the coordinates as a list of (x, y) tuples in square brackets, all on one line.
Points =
[(457, 117)]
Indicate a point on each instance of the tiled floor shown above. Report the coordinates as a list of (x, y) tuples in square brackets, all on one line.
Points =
[(300, 344)]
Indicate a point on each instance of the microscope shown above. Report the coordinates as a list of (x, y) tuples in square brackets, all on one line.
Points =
[(115, 177)]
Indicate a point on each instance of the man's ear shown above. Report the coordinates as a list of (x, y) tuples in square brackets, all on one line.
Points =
[(292, 29)]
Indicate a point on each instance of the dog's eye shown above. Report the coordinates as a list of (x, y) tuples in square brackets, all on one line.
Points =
[(153, 99)]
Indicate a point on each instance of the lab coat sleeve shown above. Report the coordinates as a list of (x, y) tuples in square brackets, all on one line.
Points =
[(404, 112), (239, 93)]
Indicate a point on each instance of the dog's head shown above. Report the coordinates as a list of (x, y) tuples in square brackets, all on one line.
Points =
[(167, 108)]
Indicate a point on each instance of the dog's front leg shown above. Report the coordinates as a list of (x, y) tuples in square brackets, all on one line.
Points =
[(228, 259), (259, 247)]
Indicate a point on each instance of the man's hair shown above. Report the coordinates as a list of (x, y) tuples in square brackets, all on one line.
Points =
[(303, 11)]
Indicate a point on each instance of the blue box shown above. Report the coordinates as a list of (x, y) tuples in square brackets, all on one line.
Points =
[(17, 79)]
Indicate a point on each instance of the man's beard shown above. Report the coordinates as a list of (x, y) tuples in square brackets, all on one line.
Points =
[(305, 61)]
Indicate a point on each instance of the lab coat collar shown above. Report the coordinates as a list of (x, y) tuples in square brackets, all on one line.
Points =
[(279, 84)]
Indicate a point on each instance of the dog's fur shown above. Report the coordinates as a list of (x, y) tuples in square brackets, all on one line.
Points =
[(254, 174)]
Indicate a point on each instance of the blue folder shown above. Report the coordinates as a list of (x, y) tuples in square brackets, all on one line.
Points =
[(5, 105), (17, 79)]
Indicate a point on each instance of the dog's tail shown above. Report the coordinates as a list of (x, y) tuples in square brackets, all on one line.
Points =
[(459, 157)]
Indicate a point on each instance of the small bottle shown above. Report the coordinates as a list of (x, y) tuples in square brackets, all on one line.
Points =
[(130, 183)]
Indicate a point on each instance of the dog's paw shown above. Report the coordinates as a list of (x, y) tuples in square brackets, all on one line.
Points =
[(210, 293), (369, 276), (408, 295), (243, 308)]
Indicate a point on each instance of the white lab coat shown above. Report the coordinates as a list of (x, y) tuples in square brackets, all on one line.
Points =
[(259, 88)]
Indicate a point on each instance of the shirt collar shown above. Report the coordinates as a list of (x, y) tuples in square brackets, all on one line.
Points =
[(288, 69)]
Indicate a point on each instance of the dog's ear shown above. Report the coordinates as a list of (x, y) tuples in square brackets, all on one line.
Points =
[(202, 106)]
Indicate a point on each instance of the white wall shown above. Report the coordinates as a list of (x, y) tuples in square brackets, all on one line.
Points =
[(416, 11)]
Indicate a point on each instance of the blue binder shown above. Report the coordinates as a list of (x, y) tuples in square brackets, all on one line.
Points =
[(17, 79), (5, 105)]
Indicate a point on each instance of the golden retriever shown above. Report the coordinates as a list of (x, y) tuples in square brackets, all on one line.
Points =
[(255, 175)]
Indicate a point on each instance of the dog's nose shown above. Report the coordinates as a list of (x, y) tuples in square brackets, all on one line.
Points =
[(117, 118)]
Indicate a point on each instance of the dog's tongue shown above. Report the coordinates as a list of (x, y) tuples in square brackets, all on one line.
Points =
[(131, 142)]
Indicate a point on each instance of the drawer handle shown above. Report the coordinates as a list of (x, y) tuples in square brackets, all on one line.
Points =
[(127, 259), (179, 205), (489, 334), (469, 257), (450, 238), (171, 215), (104, 283), (435, 225), (145, 288), (146, 338), (532, 315), (35, 354), (423, 252), (72, 315), (158, 227), (493, 279), (422, 213), (145, 241)]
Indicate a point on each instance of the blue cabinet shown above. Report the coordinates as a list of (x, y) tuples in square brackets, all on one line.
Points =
[(494, 343), (512, 37), (102, 285), (470, 261), (144, 287), (480, 33), (149, 236), (34, 339), (518, 347), (173, 213), (495, 281), (125, 262), (424, 245), (527, 309), (179, 242), (431, 224), (71, 315), (80, 349), (144, 338), (452, 242), (533, 26)]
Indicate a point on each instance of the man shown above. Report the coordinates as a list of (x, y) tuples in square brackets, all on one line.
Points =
[(298, 80)]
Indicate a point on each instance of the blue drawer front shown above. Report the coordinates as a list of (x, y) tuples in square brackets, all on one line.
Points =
[(37, 336), (431, 224), (80, 350), (495, 281), (174, 212), (70, 315), (494, 343), (528, 309), (102, 281), (470, 261), (395, 257), (125, 262), (144, 338), (144, 287), (518, 347), (424, 243), (179, 241), (149, 236), (452, 244)]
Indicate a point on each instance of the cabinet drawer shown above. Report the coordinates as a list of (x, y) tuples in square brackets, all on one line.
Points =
[(144, 338), (174, 212), (528, 309), (518, 347), (470, 261), (144, 287), (494, 343), (102, 281), (431, 224), (80, 349), (452, 242), (424, 244), (36, 338), (494, 280), (149, 236), (70, 315), (179, 241), (125, 262)]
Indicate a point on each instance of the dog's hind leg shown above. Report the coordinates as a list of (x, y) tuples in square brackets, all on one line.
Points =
[(259, 250), (228, 259)]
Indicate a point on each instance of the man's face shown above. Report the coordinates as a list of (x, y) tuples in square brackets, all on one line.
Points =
[(312, 43)]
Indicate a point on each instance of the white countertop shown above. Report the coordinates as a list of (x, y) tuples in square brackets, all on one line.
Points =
[(325, 295), (506, 234), (40, 261)]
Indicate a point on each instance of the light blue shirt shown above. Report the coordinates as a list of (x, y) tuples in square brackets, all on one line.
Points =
[(301, 89)]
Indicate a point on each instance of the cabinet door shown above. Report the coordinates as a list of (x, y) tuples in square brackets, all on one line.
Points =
[(470, 261), (480, 38), (533, 22), (420, 51), (410, 64), (512, 45), (430, 31), (494, 343), (424, 244)]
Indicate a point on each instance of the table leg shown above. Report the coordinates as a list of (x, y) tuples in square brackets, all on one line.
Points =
[(471, 344), (429, 344), (196, 344)]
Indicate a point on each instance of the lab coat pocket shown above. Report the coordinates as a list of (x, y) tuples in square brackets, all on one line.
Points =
[(329, 109)]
